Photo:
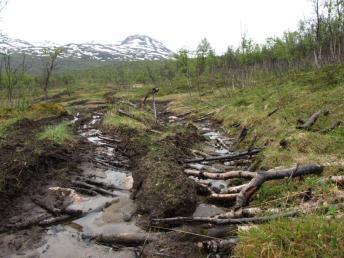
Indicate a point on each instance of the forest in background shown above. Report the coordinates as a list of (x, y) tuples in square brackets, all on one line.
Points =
[(318, 42)]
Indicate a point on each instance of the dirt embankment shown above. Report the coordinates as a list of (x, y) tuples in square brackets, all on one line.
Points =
[(26, 163), (161, 189)]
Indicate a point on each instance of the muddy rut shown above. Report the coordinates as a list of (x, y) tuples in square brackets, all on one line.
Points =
[(95, 204)]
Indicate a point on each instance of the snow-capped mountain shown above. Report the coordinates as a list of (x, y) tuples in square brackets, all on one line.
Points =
[(135, 47)]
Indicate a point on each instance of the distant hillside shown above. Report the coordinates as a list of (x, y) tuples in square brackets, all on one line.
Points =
[(135, 47)]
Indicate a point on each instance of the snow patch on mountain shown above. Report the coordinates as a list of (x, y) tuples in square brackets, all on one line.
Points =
[(135, 47)]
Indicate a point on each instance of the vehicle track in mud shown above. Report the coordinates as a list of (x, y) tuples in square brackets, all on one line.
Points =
[(99, 195)]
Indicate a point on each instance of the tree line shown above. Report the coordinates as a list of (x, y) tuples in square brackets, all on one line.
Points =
[(318, 41)]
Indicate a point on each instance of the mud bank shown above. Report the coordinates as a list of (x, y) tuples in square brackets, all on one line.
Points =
[(26, 162), (160, 187)]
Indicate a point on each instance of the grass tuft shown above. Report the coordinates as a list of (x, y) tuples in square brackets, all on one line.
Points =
[(309, 236), (56, 133)]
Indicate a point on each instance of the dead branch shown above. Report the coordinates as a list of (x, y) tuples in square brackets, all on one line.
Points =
[(205, 167), (43, 205), (204, 117), (242, 135), (200, 153), (233, 156), (310, 122), (85, 191), (53, 221), (244, 192), (25, 224), (220, 176), (332, 127), (222, 197), (111, 140), (126, 239), (129, 103), (92, 187), (99, 183), (123, 113), (234, 189), (236, 221), (261, 177), (273, 112), (246, 212)]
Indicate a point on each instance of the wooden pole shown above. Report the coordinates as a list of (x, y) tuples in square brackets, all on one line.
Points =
[(154, 107)]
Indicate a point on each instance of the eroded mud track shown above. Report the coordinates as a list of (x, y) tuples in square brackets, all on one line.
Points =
[(66, 218), (94, 202)]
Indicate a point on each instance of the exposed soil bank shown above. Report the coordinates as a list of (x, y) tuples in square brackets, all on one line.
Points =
[(26, 162), (161, 189)]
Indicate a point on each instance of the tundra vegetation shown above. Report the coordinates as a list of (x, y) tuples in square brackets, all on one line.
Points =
[(285, 96)]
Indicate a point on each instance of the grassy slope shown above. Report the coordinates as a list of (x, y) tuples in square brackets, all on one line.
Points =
[(297, 96)]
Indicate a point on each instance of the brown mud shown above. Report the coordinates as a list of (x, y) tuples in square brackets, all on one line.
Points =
[(140, 179)]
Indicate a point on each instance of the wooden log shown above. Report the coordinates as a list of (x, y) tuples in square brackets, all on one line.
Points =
[(109, 139), (220, 176), (236, 221), (94, 188), (222, 197), (55, 211), (24, 224), (332, 127), (43, 205), (261, 177), (233, 189), (233, 156), (272, 112), (99, 183), (53, 221), (207, 168), (200, 153), (126, 239), (85, 191), (310, 122), (246, 212)]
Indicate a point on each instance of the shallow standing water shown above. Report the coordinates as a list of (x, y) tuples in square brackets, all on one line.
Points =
[(104, 215)]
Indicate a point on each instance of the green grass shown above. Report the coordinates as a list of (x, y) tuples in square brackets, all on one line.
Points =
[(296, 97), (309, 236), (145, 118), (4, 124), (113, 120), (56, 133)]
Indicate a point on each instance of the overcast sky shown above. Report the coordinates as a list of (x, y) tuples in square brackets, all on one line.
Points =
[(177, 23)]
